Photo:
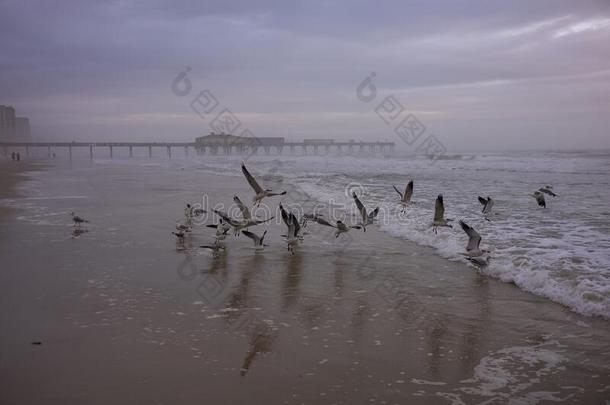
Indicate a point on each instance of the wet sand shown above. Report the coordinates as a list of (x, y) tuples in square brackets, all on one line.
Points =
[(124, 314)]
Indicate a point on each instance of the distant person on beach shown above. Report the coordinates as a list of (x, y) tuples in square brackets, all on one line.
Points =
[(18, 157), (13, 155)]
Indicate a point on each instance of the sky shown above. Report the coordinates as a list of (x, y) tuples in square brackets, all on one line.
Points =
[(478, 75)]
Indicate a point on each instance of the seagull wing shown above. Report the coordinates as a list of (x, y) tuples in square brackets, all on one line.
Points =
[(482, 200), (408, 192), (439, 208), (296, 225), (255, 238), (474, 239), (360, 207), (399, 193), (245, 211), (251, 180), (322, 221), (226, 217), (287, 218), (374, 213)]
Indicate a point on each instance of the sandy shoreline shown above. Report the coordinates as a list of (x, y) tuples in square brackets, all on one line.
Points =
[(125, 315)]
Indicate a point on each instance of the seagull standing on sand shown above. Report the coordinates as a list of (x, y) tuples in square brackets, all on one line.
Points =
[(222, 229), (260, 193), (78, 220), (547, 190), (439, 214), (258, 240), (367, 219), (405, 198), (180, 235), (539, 198)]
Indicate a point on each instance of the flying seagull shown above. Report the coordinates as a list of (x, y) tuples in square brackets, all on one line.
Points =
[(487, 204), (439, 214), (539, 198), (215, 248), (294, 228), (245, 222), (341, 227), (260, 193), (367, 218), (547, 190), (309, 217), (78, 220), (258, 240), (474, 241), (405, 198)]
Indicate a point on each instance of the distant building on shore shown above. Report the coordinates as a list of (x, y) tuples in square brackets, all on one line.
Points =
[(7, 122), (13, 128)]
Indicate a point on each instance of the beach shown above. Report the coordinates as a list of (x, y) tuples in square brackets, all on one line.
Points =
[(119, 311)]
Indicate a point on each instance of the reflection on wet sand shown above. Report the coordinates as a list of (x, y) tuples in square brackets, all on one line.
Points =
[(76, 232), (260, 340), (292, 280)]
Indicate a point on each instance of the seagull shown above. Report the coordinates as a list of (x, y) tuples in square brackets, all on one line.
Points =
[(405, 198), (539, 198), (309, 217), (474, 240), (439, 214), (78, 220), (215, 248), (292, 236), (258, 240), (547, 190), (367, 219), (260, 192), (180, 235), (183, 228), (341, 227), (243, 223), (487, 204), (222, 228)]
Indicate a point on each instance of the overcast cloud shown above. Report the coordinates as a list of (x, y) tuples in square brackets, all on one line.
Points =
[(479, 74)]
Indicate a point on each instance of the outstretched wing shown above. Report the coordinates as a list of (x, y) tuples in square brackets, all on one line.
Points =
[(398, 191), (322, 221), (296, 225), (252, 236), (474, 239), (439, 208), (360, 207), (251, 180), (373, 214), (226, 217), (483, 201), (287, 218), (245, 211), (408, 192)]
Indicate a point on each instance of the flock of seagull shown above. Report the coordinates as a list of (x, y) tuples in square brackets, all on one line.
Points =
[(296, 227)]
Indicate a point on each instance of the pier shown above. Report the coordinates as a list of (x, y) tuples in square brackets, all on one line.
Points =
[(214, 144)]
